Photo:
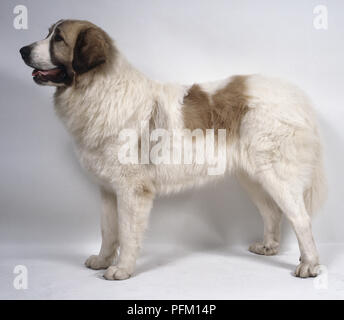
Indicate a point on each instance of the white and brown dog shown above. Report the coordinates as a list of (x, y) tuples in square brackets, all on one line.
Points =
[(272, 142)]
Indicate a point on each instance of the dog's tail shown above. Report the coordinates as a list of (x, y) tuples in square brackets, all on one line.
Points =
[(315, 195)]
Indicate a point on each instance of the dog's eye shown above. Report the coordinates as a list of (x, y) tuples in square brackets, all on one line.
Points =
[(58, 38)]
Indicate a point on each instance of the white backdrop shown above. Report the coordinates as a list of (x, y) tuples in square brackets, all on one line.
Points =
[(44, 195)]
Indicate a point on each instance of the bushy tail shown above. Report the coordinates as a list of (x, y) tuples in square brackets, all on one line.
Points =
[(315, 196)]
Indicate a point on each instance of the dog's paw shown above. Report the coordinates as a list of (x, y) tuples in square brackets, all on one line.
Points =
[(116, 273), (264, 249), (306, 270), (97, 262)]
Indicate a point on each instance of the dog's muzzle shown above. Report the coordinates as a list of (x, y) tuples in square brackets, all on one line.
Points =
[(25, 53)]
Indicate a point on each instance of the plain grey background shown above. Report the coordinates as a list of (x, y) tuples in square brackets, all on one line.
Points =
[(44, 195)]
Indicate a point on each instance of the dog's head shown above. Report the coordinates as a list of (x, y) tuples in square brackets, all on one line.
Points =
[(71, 49)]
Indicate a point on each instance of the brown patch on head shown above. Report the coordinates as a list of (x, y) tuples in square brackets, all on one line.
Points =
[(80, 46), (222, 110), (91, 49)]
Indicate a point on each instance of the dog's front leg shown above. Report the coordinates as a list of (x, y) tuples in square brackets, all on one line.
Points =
[(109, 227), (134, 205)]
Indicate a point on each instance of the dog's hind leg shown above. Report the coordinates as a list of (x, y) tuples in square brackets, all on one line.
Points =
[(109, 228), (270, 213), (288, 194)]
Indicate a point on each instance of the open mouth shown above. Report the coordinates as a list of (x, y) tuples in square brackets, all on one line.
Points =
[(54, 75)]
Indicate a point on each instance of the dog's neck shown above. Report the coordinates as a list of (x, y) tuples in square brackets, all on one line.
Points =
[(108, 98)]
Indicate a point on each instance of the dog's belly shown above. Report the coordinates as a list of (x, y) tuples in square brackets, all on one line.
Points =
[(165, 178), (172, 179)]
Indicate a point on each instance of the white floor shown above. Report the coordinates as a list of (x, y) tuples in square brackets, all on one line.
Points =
[(170, 272)]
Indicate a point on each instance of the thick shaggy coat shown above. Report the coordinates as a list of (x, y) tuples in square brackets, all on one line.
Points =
[(272, 141)]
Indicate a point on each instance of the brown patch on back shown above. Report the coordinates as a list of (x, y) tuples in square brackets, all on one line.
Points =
[(223, 110)]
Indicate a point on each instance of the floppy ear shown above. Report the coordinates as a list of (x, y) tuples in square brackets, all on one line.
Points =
[(90, 50)]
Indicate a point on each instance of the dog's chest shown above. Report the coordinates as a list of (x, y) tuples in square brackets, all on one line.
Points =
[(97, 165)]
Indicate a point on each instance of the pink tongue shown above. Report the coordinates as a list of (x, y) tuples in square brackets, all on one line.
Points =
[(45, 72)]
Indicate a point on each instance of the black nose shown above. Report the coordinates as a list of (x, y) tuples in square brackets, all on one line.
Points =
[(25, 52)]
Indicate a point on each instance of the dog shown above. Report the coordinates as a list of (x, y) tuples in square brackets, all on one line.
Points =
[(272, 144)]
